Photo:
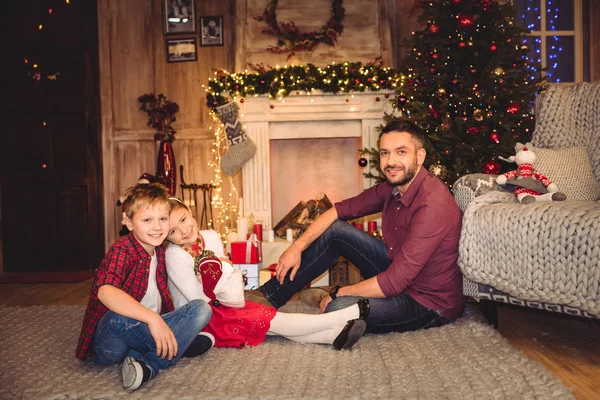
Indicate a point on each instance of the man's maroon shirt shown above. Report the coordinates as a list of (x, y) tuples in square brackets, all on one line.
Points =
[(421, 230)]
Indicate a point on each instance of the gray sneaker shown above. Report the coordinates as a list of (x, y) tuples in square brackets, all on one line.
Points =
[(256, 296), (313, 296), (132, 373)]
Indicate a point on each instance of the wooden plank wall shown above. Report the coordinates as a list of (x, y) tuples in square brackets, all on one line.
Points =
[(133, 62)]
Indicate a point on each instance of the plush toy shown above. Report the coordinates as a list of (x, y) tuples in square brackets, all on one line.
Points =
[(145, 178), (529, 185)]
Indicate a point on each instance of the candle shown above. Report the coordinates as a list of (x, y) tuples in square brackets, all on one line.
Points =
[(242, 229), (289, 235), (257, 229), (372, 227), (231, 237), (271, 236), (241, 208)]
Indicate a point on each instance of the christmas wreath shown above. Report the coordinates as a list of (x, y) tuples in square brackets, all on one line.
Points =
[(289, 37)]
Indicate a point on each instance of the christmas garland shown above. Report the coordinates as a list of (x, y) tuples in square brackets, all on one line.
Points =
[(301, 79), (289, 37)]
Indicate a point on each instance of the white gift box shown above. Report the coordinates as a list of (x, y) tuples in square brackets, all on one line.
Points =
[(250, 270)]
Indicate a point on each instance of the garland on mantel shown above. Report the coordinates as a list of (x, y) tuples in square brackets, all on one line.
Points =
[(289, 37), (302, 79)]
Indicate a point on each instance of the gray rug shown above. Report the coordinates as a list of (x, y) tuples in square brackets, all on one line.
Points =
[(464, 360)]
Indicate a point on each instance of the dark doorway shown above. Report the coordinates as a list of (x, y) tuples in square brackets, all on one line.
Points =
[(51, 177)]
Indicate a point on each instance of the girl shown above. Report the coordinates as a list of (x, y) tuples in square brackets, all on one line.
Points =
[(248, 325)]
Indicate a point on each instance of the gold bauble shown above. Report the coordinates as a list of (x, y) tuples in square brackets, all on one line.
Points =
[(499, 71), (478, 115), (438, 170), (441, 91)]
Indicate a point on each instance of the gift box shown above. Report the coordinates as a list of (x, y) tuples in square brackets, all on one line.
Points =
[(252, 283), (266, 273), (249, 270), (248, 252)]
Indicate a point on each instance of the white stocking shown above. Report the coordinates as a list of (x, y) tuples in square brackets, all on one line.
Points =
[(312, 328)]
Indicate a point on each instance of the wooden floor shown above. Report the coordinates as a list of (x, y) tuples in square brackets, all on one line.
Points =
[(569, 348)]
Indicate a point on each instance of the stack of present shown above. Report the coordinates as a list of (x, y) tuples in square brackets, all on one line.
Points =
[(247, 257)]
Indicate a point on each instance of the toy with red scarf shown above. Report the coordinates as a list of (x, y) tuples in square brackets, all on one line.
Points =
[(528, 184)]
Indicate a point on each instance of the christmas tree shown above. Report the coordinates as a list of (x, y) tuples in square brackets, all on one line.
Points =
[(471, 82)]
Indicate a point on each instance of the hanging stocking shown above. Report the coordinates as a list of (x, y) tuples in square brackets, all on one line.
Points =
[(241, 148)]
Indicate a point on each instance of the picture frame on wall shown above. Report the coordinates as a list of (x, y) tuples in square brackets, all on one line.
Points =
[(181, 50), (179, 16), (211, 33)]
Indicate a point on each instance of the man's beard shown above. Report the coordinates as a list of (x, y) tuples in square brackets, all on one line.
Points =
[(409, 174)]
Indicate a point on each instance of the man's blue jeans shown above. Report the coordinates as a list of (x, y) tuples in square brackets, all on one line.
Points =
[(118, 337), (393, 314)]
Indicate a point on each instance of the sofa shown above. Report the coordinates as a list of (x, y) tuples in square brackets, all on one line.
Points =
[(544, 255)]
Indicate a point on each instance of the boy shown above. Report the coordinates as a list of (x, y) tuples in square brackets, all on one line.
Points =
[(122, 322)]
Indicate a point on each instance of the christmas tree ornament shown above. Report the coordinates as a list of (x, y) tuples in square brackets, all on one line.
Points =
[(401, 100), (499, 71), (462, 45), (435, 56), (466, 20), (433, 28), (362, 162), (272, 106), (493, 47), (242, 101), (494, 137), (513, 108), (438, 170), (387, 95), (478, 115), (241, 147), (441, 91), (377, 99), (491, 167)]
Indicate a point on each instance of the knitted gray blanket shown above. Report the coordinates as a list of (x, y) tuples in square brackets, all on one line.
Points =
[(464, 360), (547, 251)]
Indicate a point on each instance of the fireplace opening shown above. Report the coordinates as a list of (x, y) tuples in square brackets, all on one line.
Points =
[(301, 168)]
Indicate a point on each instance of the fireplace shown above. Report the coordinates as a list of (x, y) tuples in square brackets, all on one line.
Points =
[(315, 129)]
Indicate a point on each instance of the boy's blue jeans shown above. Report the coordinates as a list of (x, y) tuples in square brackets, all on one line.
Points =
[(118, 337), (369, 254)]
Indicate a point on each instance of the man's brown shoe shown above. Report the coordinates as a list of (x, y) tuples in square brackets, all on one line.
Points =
[(313, 296), (256, 296)]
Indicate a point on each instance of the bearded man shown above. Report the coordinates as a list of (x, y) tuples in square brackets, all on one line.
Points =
[(411, 279)]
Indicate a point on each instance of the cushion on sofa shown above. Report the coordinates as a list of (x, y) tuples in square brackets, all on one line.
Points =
[(569, 168)]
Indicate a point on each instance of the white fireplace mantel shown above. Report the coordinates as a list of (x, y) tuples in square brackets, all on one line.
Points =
[(302, 117)]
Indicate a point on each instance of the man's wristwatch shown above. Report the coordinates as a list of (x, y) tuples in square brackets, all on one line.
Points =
[(333, 292)]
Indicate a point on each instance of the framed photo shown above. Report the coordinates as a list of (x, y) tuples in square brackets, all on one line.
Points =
[(211, 31), (180, 16), (179, 50)]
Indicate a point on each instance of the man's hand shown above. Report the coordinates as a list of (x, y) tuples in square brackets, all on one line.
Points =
[(324, 302), (290, 259), (166, 344)]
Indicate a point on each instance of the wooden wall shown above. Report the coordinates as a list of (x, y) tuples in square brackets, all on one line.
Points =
[(133, 62)]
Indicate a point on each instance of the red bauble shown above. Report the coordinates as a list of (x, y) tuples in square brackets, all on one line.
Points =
[(513, 108), (491, 167), (432, 69), (401, 100), (377, 99), (241, 100), (435, 56), (494, 138), (433, 28), (462, 45), (387, 95), (493, 47), (466, 20), (272, 106)]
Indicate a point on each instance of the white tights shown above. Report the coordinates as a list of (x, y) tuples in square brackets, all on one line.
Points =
[(312, 328)]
